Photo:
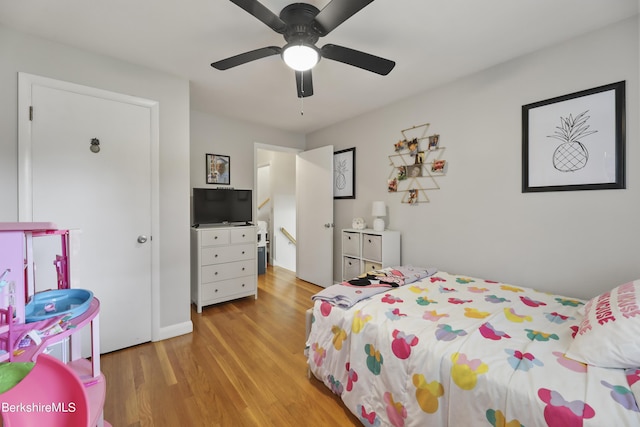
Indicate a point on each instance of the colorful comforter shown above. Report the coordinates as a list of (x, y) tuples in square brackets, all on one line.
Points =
[(456, 351)]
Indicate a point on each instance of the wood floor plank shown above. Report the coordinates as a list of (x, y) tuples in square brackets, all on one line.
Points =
[(243, 365)]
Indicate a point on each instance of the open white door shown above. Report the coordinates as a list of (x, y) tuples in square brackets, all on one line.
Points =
[(314, 212)]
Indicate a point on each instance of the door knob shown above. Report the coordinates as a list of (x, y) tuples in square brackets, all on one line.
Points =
[(142, 238)]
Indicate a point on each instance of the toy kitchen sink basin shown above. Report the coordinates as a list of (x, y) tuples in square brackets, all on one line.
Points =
[(47, 304)]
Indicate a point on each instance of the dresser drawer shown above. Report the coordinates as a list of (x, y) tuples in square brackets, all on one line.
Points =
[(351, 243), (351, 268), (372, 247), (216, 272), (226, 288), (214, 237), (243, 235), (218, 255)]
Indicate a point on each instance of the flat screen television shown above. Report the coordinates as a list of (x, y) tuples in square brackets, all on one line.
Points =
[(221, 206)]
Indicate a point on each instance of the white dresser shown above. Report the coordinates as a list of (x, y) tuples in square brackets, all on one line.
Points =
[(366, 250), (223, 264)]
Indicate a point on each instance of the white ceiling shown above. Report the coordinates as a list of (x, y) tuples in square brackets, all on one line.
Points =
[(432, 42)]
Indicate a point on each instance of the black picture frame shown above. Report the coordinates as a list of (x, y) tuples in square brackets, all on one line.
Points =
[(218, 169), (561, 135), (344, 174)]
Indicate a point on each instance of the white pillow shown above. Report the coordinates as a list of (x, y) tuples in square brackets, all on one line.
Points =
[(609, 334)]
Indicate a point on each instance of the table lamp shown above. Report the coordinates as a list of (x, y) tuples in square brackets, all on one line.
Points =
[(378, 210)]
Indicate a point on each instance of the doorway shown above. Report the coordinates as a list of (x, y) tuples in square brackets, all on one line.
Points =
[(301, 197), (276, 202)]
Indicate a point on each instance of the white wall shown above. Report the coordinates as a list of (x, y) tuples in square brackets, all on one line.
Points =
[(479, 223), (21, 52), (234, 138)]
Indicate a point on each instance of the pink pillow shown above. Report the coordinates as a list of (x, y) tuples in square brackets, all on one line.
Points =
[(609, 333)]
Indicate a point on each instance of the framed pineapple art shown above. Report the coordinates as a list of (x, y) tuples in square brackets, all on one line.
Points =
[(344, 174), (575, 141)]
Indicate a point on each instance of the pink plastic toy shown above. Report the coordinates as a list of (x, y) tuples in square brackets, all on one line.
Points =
[(50, 395)]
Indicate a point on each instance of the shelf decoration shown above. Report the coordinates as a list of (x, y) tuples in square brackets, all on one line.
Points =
[(416, 163)]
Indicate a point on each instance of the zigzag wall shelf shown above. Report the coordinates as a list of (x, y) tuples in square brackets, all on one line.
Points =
[(416, 165)]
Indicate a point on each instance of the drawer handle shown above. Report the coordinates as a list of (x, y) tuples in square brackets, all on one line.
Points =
[(369, 240), (243, 235), (215, 274), (242, 252), (215, 290), (215, 237), (243, 285), (242, 268), (215, 256)]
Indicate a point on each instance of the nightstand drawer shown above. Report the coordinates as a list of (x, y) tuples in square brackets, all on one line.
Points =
[(227, 288), (351, 243), (218, 255), (214, 237), (216, 272), (372, 247), (351, 268), (243, 235)]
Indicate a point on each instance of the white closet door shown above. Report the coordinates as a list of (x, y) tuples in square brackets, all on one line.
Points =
[(106, 194)]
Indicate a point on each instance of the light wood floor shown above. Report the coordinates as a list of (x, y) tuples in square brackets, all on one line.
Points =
[(243, 365)]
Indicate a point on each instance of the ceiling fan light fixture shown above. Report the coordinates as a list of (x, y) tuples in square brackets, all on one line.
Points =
[(300, 57)]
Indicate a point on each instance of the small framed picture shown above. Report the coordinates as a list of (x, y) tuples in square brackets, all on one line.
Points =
[(413, 147), (414, 171), (400, 145), (218, 169), (344, 174), (392, 185), (420, 155), (402, 173), (413, 196), (433, 142), (438, 166)]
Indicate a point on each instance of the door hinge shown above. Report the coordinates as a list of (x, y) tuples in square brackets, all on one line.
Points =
[(31, 113)]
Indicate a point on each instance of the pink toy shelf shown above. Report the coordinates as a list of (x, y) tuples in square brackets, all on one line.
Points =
[(17, 282), (17, 286)]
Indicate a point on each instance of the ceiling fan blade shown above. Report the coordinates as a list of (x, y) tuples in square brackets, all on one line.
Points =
[(257, 9), (336, 12), (358, 59), (304, 83), (243, 58)]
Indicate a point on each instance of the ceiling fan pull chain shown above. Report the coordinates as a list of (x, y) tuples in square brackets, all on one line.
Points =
[(302, 93)]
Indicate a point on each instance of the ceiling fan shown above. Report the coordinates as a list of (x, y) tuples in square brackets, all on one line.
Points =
[(302, 25)]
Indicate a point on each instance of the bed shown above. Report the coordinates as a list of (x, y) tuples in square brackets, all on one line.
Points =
[(438, 349)]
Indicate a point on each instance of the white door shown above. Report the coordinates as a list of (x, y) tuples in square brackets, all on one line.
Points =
[(105, 193), (314, 208)]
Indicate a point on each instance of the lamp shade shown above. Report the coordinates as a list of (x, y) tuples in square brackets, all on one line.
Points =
[(379, 209), (300, 57)]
